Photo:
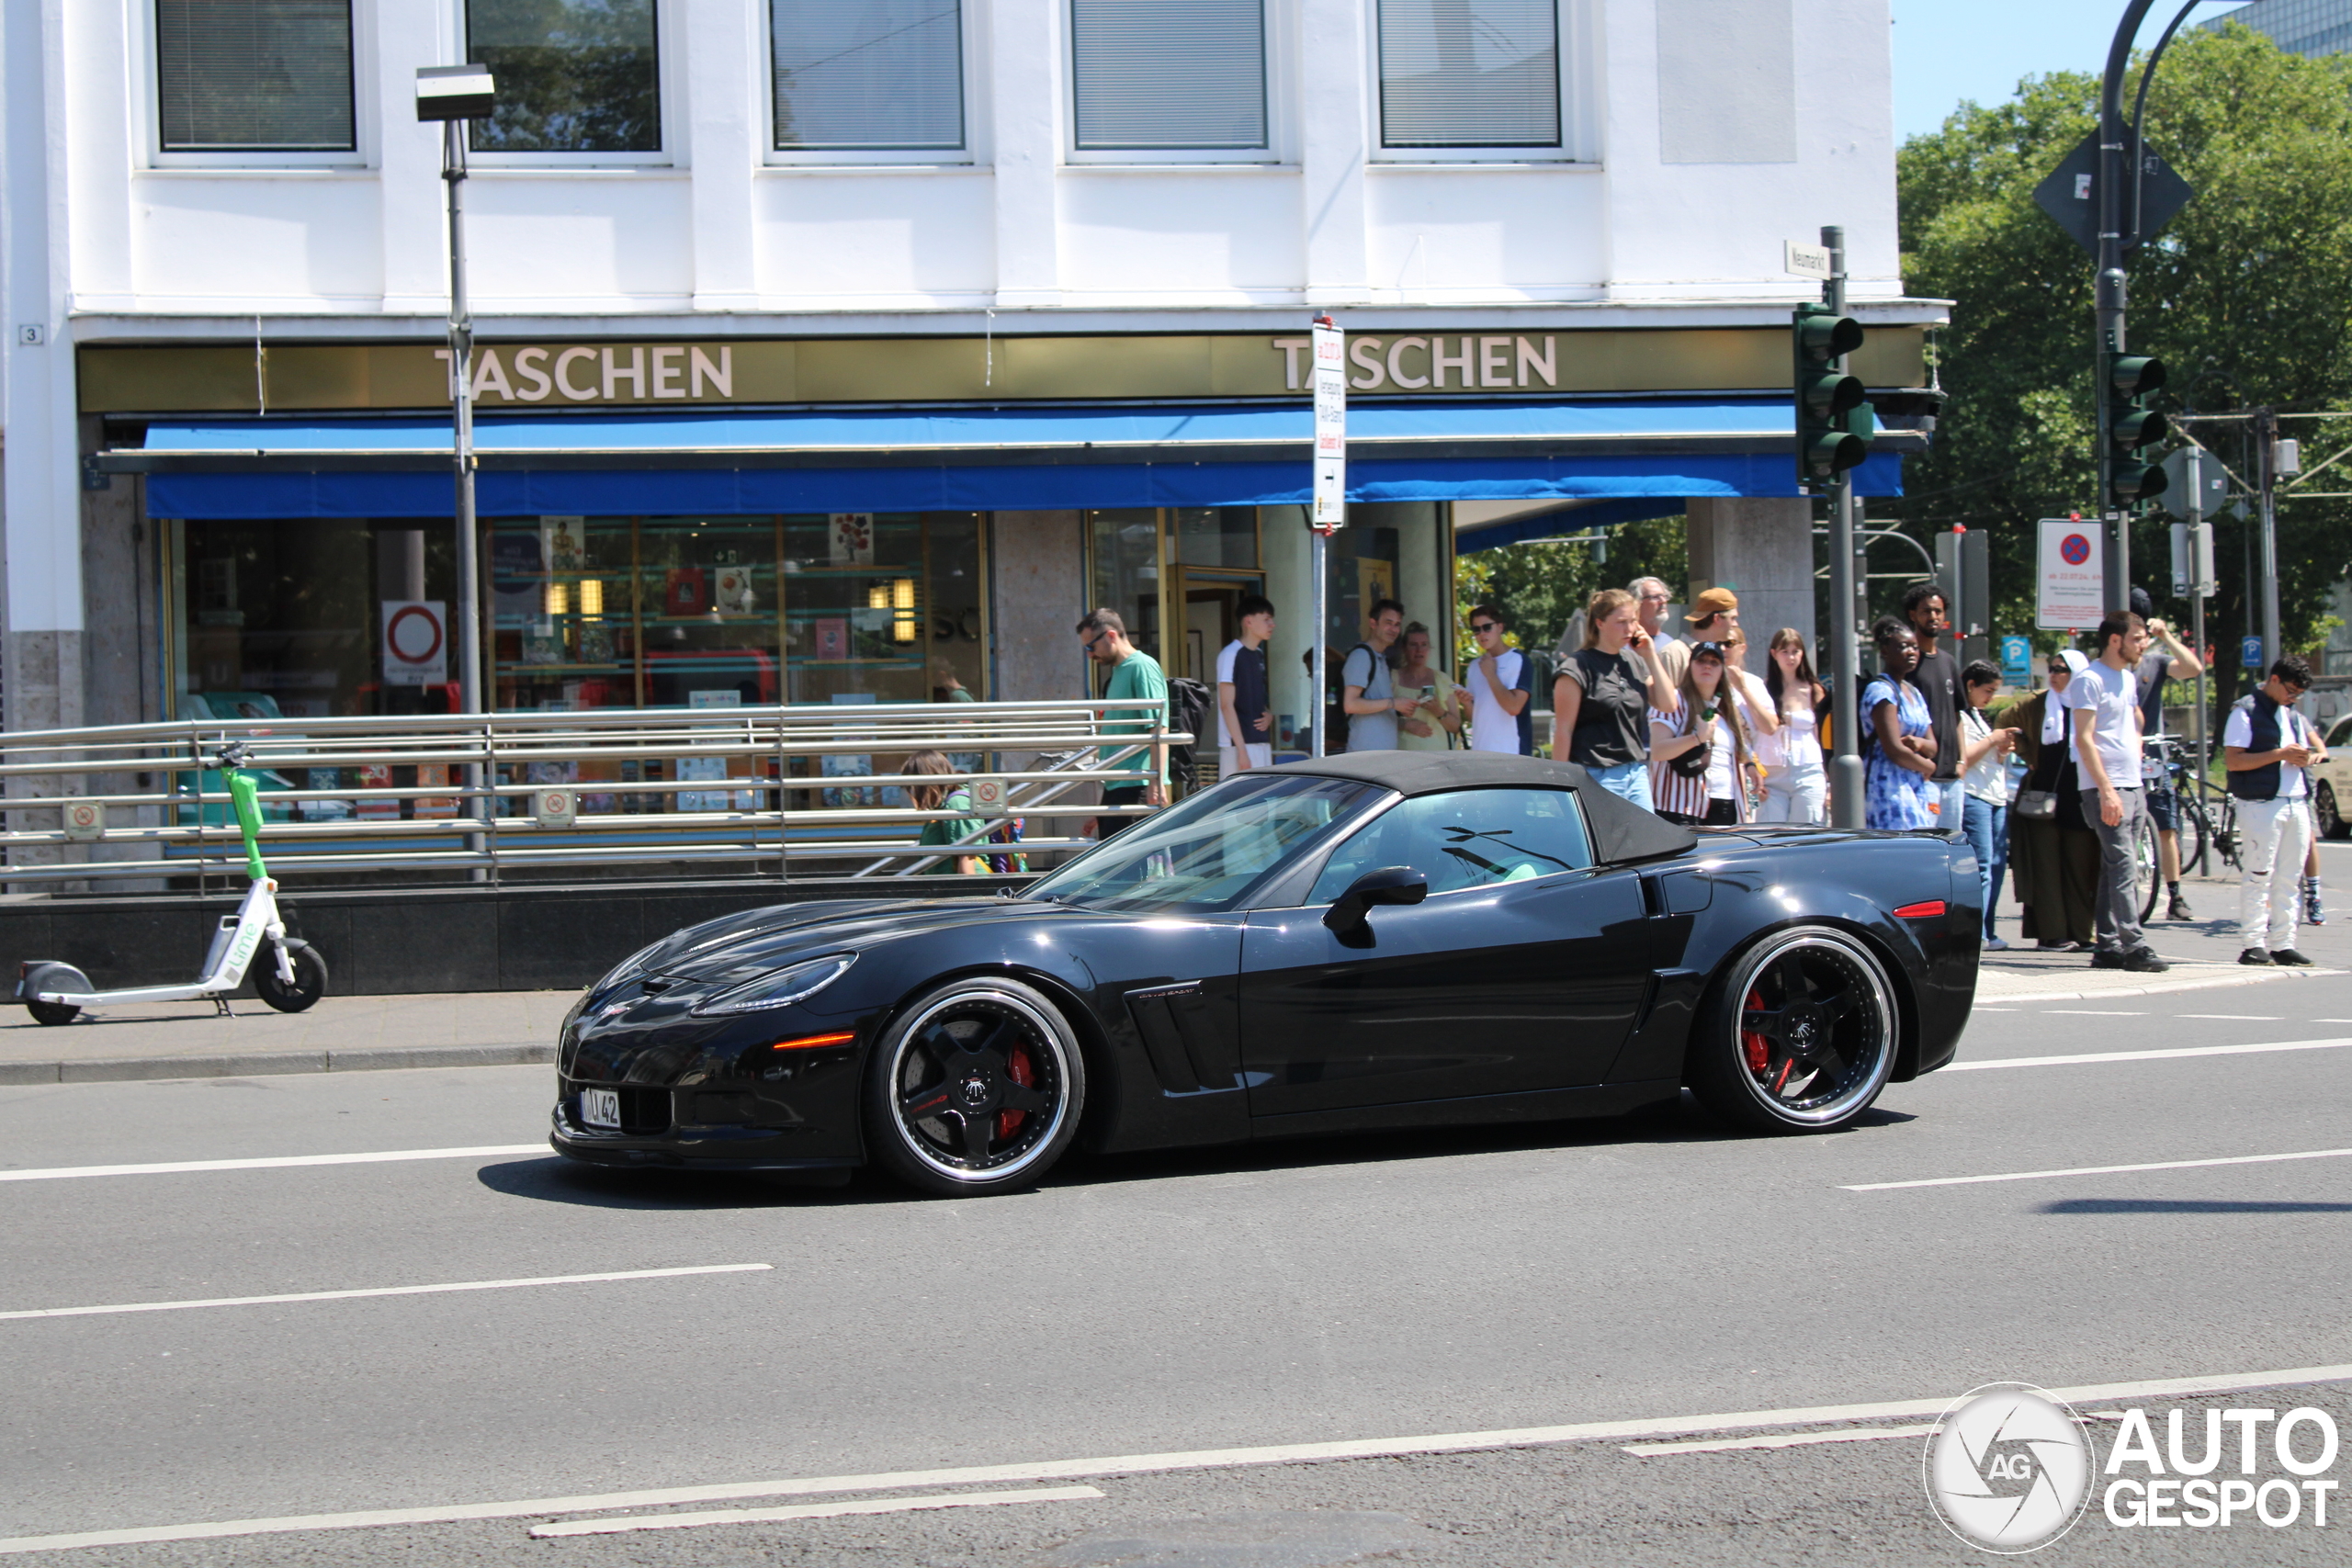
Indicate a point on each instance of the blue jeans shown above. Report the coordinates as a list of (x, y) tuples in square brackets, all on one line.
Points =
[(1626, 780), (1987, 827), (1951, 796)]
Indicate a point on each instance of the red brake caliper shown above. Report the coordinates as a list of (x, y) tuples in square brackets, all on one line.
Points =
[(1758, 1052), (1021, 1070)]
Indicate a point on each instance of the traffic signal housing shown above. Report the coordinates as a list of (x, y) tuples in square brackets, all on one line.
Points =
[(1834, 425), (2129, 380)]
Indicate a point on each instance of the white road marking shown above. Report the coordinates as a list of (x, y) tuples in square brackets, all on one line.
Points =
[(391, 1290), (2143, 1055), (2237, 1017), (812, 1511), (2099, 1170), (1979, 1008), (1148, 1464), (1781, 1441), (274, 1162), (2101, 1012), (2332, 1020)]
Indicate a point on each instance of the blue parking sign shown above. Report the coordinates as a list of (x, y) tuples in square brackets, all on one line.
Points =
[(2250, 653), (2016, 660)]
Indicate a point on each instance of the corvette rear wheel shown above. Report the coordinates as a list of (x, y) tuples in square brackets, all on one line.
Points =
[(976, 1088), (1801, 1034)]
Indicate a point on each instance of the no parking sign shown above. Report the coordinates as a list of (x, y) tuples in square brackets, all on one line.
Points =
[(416, 642)]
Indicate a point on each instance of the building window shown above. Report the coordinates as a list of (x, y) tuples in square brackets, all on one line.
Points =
[(1469, 74), (574, 75), (867, 75), (1167, 76), (253, 76)]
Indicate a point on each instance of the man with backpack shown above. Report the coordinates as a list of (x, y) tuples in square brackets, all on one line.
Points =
[(1367, 696), (1134, 676)]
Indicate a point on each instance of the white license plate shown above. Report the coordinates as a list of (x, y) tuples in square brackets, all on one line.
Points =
[(601, 1108)]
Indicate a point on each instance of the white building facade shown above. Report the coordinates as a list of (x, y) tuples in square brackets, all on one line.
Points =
[(847, 350)]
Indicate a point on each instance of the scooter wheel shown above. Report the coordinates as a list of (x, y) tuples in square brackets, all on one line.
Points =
[(310, 978), (54, 1012), (54, 976)]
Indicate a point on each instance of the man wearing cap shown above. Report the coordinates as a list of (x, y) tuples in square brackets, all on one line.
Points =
[(1713, 618)]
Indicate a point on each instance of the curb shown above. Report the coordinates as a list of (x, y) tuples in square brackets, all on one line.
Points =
[(365, 1059), (2158, 987)]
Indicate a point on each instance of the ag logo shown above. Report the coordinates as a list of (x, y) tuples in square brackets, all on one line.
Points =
[(2008, 1469)]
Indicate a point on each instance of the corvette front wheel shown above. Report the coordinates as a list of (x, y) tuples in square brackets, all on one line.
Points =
[(976, 1088), (1800, 1035)]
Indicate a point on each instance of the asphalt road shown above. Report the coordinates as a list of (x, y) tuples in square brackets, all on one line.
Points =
[(1333, 1291)]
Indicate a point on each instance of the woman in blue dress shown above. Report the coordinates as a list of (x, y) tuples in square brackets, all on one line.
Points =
[(1903, 753)]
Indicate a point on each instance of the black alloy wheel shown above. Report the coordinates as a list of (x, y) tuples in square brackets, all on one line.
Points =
[(975, 1089), (1802, 1036), (310, 976), (2330, 820)]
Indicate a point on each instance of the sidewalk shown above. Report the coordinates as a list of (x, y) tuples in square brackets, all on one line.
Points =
[(188, 1040)]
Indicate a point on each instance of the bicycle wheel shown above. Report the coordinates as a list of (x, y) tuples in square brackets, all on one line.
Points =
[(2190, 816), (2147, 868)]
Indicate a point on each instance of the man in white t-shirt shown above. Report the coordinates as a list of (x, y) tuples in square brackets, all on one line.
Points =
[(1245, 717), (2106, 702), (1499, 689), (2268, 750)]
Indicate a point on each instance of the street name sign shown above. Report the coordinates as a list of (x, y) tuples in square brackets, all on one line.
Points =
[(1805, 261)]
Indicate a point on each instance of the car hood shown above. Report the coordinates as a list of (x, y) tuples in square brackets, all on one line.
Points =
[(770, 937)]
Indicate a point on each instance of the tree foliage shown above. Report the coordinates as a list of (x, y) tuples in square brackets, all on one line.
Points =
[(2247, 296), (1541, 586)]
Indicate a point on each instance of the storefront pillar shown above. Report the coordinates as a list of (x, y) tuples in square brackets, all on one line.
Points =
[(1038, 561), (1761, 548)]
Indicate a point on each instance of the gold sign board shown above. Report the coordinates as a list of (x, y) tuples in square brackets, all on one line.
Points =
[(318, 378)]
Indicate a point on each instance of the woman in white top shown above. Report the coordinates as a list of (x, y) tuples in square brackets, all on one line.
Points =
[(1985, 779), (1796, 781)]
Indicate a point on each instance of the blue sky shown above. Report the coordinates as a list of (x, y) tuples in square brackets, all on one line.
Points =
[(1946, 51)]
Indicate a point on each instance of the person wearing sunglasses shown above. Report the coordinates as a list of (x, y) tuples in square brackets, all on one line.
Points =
[(2268, 750), (1500, 688)]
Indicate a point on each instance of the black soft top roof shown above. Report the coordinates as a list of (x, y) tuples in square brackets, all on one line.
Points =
[(1620, 830)]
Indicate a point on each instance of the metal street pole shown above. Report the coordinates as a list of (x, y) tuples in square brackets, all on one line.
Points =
[(2109, 295), (462, 398), (1846, 788), (2266, 456), (1329, 510)]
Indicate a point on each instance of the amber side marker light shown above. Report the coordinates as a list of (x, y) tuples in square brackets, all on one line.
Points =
[(1934, 910), (812, 1042)]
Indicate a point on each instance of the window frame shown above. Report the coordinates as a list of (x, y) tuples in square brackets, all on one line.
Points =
[(971, 19), (1281, 140), (147, 115), (1305, 891), (669, 87), (1580, 119)]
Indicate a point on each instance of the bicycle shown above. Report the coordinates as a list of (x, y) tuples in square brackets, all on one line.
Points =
[(2204, 817)]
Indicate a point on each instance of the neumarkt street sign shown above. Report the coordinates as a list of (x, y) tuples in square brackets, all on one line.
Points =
[(2071, 195)]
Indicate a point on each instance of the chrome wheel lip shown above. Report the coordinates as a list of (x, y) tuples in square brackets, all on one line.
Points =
[(1863, 969), (1048, 1034)]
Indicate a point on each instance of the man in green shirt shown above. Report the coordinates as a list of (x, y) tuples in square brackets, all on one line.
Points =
[(1135, 675)]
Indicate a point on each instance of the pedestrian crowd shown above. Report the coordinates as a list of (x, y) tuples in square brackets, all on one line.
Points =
[(2055, 789)]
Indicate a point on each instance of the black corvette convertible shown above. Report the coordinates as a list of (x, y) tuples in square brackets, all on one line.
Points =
[(1392, 939)]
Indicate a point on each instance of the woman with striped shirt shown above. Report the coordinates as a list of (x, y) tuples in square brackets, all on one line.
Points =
[(1705, 719)]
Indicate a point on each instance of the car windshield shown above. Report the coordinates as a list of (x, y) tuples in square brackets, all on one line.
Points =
[(1206, 855)]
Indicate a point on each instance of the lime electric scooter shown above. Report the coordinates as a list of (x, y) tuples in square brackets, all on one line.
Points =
[(293, 978)]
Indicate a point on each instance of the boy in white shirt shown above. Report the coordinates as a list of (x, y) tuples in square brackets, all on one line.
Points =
[(1245, 718)]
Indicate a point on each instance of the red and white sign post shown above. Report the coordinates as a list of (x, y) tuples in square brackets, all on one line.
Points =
[(1329, 511)]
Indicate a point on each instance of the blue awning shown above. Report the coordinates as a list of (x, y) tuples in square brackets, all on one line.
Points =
[(710, 463)]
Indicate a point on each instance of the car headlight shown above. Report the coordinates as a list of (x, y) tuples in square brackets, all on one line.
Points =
[(780, 987)]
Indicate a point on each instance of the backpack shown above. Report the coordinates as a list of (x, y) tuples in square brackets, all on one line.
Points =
[(1335, 712), (1188, 710)]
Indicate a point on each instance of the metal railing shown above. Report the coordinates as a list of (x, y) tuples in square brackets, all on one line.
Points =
[(742, 791)]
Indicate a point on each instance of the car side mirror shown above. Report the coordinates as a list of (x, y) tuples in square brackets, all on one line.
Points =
[(1349, 918)]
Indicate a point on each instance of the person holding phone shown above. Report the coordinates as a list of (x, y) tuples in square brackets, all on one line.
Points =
[(1699, 747), (1984, 771), (1601, 698)]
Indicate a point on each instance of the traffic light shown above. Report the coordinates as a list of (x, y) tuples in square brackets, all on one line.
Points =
[(2133, 427), (1834, 425)]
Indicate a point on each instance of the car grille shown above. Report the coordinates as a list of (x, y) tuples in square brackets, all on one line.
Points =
[(644, 1112)]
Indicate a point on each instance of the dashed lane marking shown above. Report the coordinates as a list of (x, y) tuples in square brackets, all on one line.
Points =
[(1158, 1463), (389, 1291), (812, 1511), (2098, 1170), (1780, 1441), (1989, 1063), (274, 1162)]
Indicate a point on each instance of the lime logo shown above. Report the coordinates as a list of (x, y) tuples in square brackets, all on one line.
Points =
[(2008, 1469)]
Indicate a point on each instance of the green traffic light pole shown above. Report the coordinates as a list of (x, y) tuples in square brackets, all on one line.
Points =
[(2109, 298)]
